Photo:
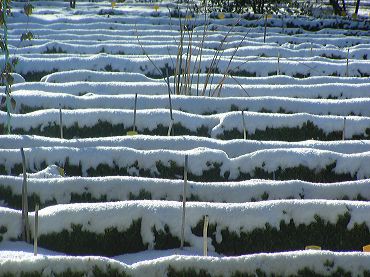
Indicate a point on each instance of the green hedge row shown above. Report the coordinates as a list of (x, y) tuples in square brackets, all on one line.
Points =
[(213, 174), (14, 201), (104, 129), (95, 271), (305, 272), (288, 237), (186, 272)]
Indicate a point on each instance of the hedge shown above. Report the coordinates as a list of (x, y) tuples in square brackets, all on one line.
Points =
[(14, 201), (307, 131), (212, 174), (288, 237), (185, 272)]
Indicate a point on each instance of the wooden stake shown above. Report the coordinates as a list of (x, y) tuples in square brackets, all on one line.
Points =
[(347, 66), (278, 64), (134, 124), (265, 31), (36, 230), (170, 128), (344, 129), (244, 129), (205, 236), (25, 224), (60, 121), (184, 201)]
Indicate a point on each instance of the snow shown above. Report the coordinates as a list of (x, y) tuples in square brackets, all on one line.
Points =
[(286, 263), (217, 124), (197, 105), (232, 148), (91, 62), (246, 216), (200, 159), (333, 89)]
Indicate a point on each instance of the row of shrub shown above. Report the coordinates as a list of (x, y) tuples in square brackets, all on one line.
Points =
[(308, 130), (290, 236), (212, 174), (14, 200), (233, 107), (173, 271)]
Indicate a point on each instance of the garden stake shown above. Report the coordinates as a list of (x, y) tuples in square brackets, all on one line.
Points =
[(312, 247), (347, 71), (184, 200), (36, 230), (25, 224), (244, 130), (264, 33), (205, 238), (60, 121), (134, 125), (170, 128), (344, 129), (133, 132)]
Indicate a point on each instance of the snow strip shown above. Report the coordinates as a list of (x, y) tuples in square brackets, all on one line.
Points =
[(120, 188), (232, 148), (97, 217), (200, 160), (32, 100), (216, 124)]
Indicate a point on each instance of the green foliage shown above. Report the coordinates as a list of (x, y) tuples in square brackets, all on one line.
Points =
[(308, 130), (211, 174), (104, 129), (80, 242), (188, 272), (289, 236), (163, 239), (96, 271), (143, 195)]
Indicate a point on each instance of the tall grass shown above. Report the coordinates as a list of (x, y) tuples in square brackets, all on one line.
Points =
[(189, 61)]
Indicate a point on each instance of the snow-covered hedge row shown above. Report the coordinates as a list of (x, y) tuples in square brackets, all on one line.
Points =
[(244, 67), (53, 191), (204, 164), (341, 25), (172, 49), (83, 75), (131, 226), (28, 101), (294, 264), (334, 88), (266, 126), (232, 148)]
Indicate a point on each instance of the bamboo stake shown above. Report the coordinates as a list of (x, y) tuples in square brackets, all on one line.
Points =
[(265, 30), (184, 201), (205, 236), (60, 121), (344, 129), (135, 104), (25, 224), (36, 230), (347, 64), (244, 129), (6, 54)]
